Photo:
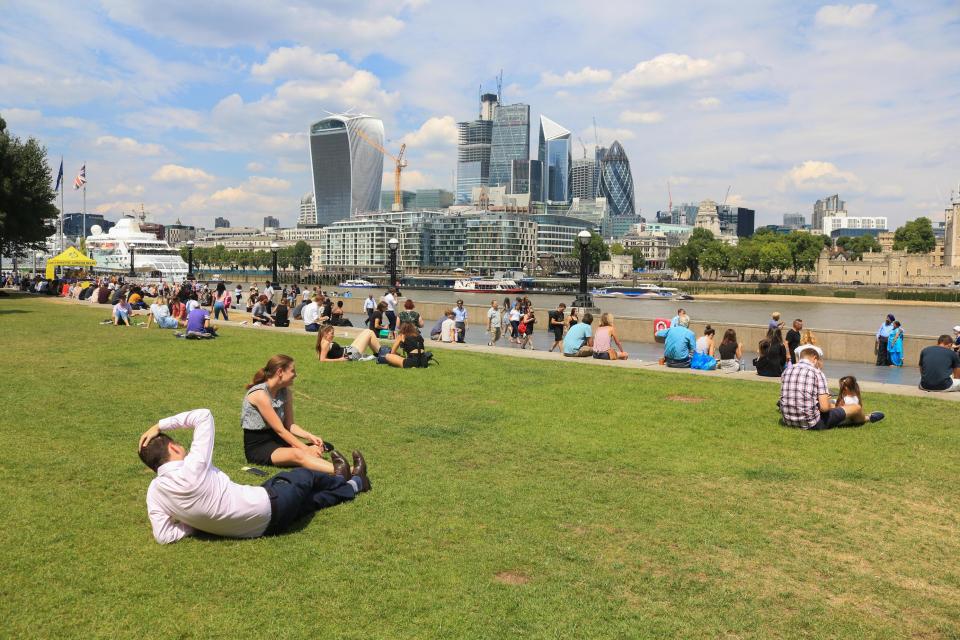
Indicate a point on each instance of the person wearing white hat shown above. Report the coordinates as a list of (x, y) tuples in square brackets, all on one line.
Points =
[(805, 398)]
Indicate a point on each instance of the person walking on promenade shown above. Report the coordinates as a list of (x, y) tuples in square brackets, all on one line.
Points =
[(494, 323), (189, 494), (883, 359), (775, 322), (940, 366), (793, 339), (526, 323), (369, 306), (895, 345), (460, 317), (514, 317), (220, 302), (391, 311), (557, 325)]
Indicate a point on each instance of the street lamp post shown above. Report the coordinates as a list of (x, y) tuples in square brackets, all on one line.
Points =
[(189, 259), (132, 255), (273, 247), (584, 300), (393, 244)]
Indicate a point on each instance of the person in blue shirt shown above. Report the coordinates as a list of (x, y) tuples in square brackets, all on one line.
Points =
[(578, 343), (883, 357), (679, 345), (460, 317)]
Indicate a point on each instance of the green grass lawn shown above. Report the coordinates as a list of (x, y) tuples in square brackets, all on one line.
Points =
[(512, 498)]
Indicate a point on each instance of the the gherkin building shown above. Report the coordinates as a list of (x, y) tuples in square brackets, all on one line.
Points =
[(616, 181)]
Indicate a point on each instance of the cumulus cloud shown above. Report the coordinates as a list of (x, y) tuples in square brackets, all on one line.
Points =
[(289, 141), (641, 117), (176, 173), (263, 183), (676, 68), (818, 176), (165, 119), (300, 62), (845, 15), (409, 180), (121, 189), (587, 75), (129, 146), (608, 135), (255, 166), (434, 132)]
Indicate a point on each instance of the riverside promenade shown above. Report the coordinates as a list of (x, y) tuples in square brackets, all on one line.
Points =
[(835, 368)]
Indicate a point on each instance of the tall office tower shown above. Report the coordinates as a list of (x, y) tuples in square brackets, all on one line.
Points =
[(829, 206), (794, 220), (598, 153), (555, 155), (509, 142), (746, 222), (581, 179), (308, 211), (347, 168), (269, 222), (219, 223), (616, 182), (473, 157)]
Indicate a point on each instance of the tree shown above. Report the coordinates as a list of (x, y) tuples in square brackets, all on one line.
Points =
[(859, 245), (804, 250), (774, 256), (688, 256), (716, 257), (300, 255), (915, 237), (598, 251), (26, 193)]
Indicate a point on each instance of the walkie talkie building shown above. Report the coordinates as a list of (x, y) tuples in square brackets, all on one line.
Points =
[(347, 169)]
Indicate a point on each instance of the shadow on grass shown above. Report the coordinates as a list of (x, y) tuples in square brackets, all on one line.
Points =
[(4, 312)]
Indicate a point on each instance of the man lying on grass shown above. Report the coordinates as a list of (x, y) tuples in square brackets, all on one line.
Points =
[(190, 494)]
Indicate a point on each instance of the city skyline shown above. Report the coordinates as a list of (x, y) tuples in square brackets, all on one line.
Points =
[(200, 113)]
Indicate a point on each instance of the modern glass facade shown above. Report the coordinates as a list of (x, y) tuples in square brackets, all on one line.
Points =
[(347, 170), (557, 235), (581, 179), (406, 198), (433, 199), (358, 244), (555, 154), (473, 157), (534, 181), (616, 182), (510, 142)]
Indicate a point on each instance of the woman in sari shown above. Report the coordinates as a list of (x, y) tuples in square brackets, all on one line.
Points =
[(895, 345)]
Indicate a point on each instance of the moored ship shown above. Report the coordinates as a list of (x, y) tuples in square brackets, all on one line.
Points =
[(153, 259)]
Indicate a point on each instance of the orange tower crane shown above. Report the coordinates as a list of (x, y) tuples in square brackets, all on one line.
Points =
[(399, 165)]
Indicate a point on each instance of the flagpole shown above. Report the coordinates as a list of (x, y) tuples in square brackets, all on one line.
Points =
[(61, 204), (84, 230)]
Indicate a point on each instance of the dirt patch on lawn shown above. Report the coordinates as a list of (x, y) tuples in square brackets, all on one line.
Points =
[(686, 399), (511, 577)]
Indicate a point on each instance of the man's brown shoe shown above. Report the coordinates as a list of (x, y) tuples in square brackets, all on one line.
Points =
[(360, 469), (340, 465)]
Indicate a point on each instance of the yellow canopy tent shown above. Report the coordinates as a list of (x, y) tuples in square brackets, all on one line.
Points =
[(69, 258)]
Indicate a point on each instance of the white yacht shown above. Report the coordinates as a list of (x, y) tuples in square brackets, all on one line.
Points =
[(357, 284), (153, 259), (482, 285), (642, 291)]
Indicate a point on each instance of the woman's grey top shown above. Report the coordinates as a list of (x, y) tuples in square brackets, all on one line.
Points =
[(250, 417)]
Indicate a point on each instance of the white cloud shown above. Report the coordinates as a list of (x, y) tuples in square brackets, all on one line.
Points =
[(262, 183), (608, 135), (641, 117), (708, 103), (409, 180), (288, 141), (300, 62), (129, 146), (176, 173), (121, 189), (587, 75), (435, 132), (675, 68), (818, 176), (165, 119), (845, 15), (255, 166)]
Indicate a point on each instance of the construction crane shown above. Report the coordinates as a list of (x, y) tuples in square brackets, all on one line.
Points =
[(584, 147), (727, 196), (670, 195), (399, 165)]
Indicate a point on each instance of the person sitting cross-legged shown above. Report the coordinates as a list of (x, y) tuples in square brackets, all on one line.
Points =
[(578, 343), (190, 494), (679, 344), (805, 398)]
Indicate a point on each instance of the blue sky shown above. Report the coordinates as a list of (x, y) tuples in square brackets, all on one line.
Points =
[(200, 109)]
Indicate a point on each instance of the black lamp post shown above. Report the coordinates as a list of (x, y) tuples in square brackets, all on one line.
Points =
[(132, 255), (584, 300), (393, 245), (189, 259), (273, 247)]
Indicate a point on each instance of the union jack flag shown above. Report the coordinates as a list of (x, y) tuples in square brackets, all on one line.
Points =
[(81, 178)]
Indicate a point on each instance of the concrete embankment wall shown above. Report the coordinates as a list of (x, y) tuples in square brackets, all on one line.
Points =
[(854, 346)]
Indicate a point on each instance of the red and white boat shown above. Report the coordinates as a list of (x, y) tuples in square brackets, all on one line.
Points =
[(482, 285)]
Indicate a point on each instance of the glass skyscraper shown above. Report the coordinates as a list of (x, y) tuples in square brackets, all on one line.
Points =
[(581, 179), (473, 157), (510, 142), (616, 182), (347, 169), (555, 155)]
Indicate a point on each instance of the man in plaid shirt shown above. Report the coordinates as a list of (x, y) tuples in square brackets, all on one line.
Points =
[(805, 399)]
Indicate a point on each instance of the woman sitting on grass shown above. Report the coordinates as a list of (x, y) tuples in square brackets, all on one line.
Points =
[(121, 312), (270, 436), (281, 315), (731, 352), (605, 335), (330, 351), (260, 313), (410, 340)]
